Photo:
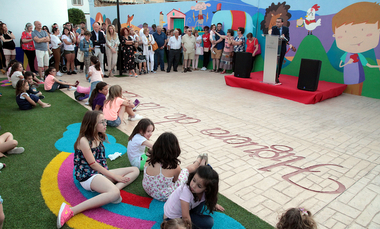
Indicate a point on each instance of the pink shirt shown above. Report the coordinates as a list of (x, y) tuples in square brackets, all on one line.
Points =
[(111, 112), (49, 81), (95, 74), (172, 207)]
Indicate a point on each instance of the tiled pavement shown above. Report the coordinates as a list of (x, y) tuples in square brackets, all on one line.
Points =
[(271, 153)]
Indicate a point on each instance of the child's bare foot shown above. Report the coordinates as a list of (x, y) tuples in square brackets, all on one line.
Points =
[(44, 105)]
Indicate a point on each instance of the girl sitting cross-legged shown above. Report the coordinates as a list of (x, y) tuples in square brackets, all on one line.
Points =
[(91, 170)]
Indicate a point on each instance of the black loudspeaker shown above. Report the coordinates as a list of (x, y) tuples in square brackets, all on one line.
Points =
[(308, 77), (243, 64)]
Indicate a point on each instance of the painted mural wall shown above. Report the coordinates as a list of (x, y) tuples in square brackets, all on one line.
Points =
[(344, 35)]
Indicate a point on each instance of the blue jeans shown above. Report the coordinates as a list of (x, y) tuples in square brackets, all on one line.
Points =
[(199, 220), (114, 123), (93, 85), (159, 56)]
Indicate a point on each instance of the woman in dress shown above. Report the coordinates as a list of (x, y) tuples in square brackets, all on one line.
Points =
[(28, 46), (127, 50), (226, 61)]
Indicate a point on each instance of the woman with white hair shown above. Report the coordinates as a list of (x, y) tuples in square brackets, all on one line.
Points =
[(112, 46), (28, 46), (148, 41)]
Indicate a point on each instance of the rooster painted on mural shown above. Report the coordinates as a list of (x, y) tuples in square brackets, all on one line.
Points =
[(309, 22)]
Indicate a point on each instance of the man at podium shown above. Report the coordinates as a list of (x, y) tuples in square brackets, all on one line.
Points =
[(283, 32)]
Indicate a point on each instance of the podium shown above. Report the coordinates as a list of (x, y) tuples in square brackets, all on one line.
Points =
[(272, 55)]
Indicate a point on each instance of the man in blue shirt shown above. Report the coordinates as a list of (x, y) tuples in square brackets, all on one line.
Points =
[(219, 45), (160, 38)]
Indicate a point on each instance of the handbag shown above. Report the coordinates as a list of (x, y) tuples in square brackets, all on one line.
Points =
[(80, 56), (259, 49), (155, 46), (141, 57), (199, 50)]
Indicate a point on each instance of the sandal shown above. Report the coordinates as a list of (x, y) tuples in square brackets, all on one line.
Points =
[(205, 156), (224, 71)]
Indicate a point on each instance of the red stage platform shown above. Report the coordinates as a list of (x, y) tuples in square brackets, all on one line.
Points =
[(288, 88)]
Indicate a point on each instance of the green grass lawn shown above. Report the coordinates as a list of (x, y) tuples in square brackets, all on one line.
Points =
[(37, 130)]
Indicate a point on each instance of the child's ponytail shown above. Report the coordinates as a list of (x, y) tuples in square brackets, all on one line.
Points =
[(95, 61)]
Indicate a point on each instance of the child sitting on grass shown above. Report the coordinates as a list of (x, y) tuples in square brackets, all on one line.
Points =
[(24, 100), (98, 96), (188, 201), (16, 73), (138, 141), (32, 85), (52, 84), (162, 173), (115, 106)]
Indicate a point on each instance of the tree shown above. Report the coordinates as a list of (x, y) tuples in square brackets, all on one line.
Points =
[(76, 16)]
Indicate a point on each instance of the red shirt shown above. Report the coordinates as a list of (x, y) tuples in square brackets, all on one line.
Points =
[(206, 40), (251, 45), (29, 45)]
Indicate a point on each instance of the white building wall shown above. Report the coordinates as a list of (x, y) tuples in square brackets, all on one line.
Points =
[(47, 12), (85, 8)]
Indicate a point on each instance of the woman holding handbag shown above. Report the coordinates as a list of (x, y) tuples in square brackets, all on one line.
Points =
[(198, 50), (148, 42), (227, 56), (253, 47)]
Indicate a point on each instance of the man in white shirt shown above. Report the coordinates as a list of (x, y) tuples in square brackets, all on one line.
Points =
[(174, 46)]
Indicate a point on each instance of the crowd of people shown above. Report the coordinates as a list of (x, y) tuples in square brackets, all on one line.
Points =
[(143, 51), (186, 191)]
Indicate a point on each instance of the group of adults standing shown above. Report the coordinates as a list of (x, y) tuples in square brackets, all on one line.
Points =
[(221, 47), (214, 43)]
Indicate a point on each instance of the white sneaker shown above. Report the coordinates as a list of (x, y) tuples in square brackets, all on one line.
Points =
[(203, 69), (87, 103), (59, 73), (16, 150), (72, 89), (137, 117)]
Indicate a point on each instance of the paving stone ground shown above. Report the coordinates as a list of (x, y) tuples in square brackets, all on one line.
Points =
[(271, 153)]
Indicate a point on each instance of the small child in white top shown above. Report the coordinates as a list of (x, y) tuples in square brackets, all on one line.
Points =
[(188, 200), (212, 38), (95, 73), (138, 140)]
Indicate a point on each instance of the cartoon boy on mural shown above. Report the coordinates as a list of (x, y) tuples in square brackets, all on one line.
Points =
[(356, 30)]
